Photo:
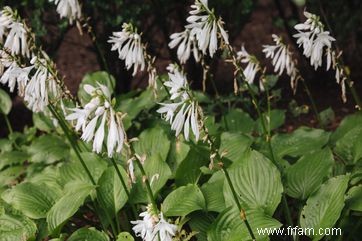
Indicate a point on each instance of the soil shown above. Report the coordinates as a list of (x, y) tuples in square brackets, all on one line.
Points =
[(76, 56)]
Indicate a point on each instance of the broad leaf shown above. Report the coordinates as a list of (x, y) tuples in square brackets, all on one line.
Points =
[(233, 146), (110, 192), (178, 152), (125, 236), (229, 227), (43, 122), (346, 125), (48, 149), (34, 200), (212, 191), (257, 183), (68, 204), (275, 120), (183, 201), (16, 227), (324, 207), (237, 120), (200, 223), (349, 147), (354, 198), (306, 176), (5, 102), (12, 157), (88, 234)]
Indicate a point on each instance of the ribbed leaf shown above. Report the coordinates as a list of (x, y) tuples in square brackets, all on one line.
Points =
[(153, 142), (324, 207), (276, 119), (178, 152), (68, 205), (88, 234), (12, 157), (346, 125), (229, 227), (300, 142), (237, 120), (349, 147), (34, 200), (257, 183), (212, 191), (200, 223), (354, 198), (306, 176), (125, 236), (15, 228), (110, 192), (233, 146), (183, 201)]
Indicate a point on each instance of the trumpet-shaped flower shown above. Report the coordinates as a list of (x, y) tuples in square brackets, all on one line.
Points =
[(282, 59), (68, 9), (17, 40), (129, 46), (183, 112), (98, 119), (164, 229), (252, 66), (314, 40), (186, 44), (16, 75)]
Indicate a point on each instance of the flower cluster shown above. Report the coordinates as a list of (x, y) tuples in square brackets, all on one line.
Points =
[(68, 9), (153, 226), (129, 46), (98, 117), (202, 33), (282, 59), (252, 67), (313, 38), (183, 112)]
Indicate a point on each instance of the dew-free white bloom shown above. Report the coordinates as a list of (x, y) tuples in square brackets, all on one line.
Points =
[(129, 46), (68, 9), (314, 40), (183, 112), (97, 119), (17, 39), (186, 44), (282, 59), (252, 66), (165, 230), (16, 75)]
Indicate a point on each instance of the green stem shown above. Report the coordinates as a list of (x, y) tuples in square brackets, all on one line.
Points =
[(148, 186), (311, 99), (8, 124), (124, 185), (235, 196)]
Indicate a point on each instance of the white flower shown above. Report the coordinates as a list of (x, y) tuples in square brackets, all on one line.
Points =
[(282, 59), (144, 228), (312, 37), (187, 43), (165, 230), (6, 20), (17, 40), (87, 119), (68, 9), (129, 46), (184, 112), (16, 75), (252, 67)]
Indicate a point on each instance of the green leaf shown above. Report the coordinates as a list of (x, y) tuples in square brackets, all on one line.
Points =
[(189, 169), (349, 146), (200, 223), (43, 122), (228, 226), (183, 201), (178, 152), (276, 119), (101, 77), (212, 190), (354, 198), (12, 157), (125, 236), (151, 142), (9, 175), (346, 125), (301, 141), (233, 145), (34, 200), (110, 192), (88, 234), (74, 170), (237, 120), (308, 173), (74, 196), (15, 227), (48, 149), (324, 207), (257, 183), (326, 116), (5, 102)]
